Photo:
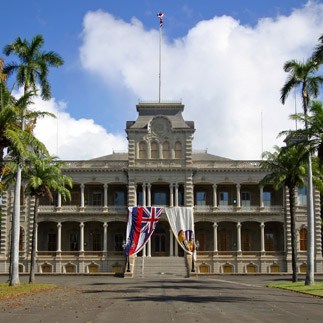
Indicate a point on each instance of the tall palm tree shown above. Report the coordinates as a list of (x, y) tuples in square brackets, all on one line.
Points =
[(44, 176), (318, 51), (303, 76), (33, 64), (32, 68), (287, 168)]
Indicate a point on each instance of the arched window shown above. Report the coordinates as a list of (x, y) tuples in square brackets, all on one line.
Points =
[(166, 152), (154, 150), (142, 150), (303, 239), (178, 150)]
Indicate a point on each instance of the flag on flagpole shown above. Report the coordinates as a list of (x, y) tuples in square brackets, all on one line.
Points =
[(142, 222), (160, 15)]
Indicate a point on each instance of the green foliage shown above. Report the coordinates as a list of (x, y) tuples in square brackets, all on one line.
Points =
[(33, 64), (286, 166)]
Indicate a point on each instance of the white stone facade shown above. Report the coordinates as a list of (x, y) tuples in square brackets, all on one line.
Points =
[(241, 226)]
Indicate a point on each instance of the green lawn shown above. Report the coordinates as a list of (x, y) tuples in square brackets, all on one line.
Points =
[(7, 291), (316, 289)]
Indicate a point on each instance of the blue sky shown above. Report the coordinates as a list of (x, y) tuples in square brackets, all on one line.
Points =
[(223, 59)]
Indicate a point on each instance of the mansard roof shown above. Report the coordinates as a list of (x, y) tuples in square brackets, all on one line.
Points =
[(113, 156), (150, 110)]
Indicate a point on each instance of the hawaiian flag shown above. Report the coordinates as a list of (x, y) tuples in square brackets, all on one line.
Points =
[(160, 15), (142, 222)]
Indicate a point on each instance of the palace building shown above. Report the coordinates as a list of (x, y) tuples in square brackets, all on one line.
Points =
[(241, 226)]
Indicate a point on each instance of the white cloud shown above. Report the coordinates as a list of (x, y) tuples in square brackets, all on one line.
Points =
[(73, 139), (228, 75)]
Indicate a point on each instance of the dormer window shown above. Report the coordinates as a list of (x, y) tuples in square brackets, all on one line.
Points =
[(154, 150), (142, 150), (178, 150)]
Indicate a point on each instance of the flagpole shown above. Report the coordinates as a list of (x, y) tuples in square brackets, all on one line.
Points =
[(160, 16), (160, 38)]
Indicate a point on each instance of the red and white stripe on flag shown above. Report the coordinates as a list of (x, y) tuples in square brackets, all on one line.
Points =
[(142, 222)]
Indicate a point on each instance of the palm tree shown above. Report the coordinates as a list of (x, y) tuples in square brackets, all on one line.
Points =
[(287, 168), (32, 68), (44, 176), (303, 76), (318, 52), (33, 65)]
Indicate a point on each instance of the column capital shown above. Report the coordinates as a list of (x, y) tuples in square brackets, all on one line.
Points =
[(238, 185), (238, 225), (214, 186), (105, 225), (59, 225), (215, 224), (262, 225), (82, 225)]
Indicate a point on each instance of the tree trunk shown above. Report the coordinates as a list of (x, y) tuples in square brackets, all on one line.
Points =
[(293, 232), (14, 265), (310, 226), (33, 244)]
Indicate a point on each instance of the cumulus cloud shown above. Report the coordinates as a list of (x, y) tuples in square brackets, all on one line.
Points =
[(74, 139), (228, 75)]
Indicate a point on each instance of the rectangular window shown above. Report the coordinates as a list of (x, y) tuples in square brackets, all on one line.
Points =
[(266, 197), (96, 198), (224, 198), (302, 196), (118, 242), (245, 199), (159, 198), (140, 199), (200, 198), (119, 198)]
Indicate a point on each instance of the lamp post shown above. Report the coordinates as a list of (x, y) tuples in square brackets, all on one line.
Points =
[(127, 264), (197, 245)]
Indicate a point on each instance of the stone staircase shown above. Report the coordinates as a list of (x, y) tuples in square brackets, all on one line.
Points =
[(158, 267)]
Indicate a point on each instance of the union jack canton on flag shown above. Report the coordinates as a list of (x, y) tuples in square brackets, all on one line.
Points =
[(142, 222)]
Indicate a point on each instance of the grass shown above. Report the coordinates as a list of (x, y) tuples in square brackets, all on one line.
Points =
[(316, 289), (7, 291)]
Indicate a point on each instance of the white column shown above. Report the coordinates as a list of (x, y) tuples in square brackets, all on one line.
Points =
[(261, 196), (144, 202), (82, 195), (176, 194), (105, 195), (144, 251), (105, 237), (238, 196), (176, 248), (171, 195), (59, 237), (239, 237), (215, 237), (81, 237), (215, 200), (149, 248), (149, 194), (59, 200), (171, 243), (262, 236)]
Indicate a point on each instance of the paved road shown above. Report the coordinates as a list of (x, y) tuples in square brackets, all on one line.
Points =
[(108, 299)]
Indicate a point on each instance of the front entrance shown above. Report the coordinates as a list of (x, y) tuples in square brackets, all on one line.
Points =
[(160, 240)]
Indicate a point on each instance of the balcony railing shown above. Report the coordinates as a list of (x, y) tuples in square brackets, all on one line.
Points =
[(278, 209), (86, 209)]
